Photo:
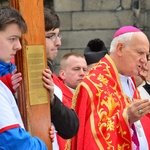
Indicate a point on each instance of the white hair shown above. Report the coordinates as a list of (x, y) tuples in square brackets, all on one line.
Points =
[(123, 38)]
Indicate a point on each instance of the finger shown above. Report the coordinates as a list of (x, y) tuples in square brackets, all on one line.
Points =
[(52, 128), (52, 132), (49, 87), (16, 86), (14, 71), (138, 103), (141, 108), (145, 109), (47, 73), (47, 81), (16, 75), (16, 80), (143, 103)]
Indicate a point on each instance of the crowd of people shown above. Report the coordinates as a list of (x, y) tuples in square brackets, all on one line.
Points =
[(99, 100), (64, 119)]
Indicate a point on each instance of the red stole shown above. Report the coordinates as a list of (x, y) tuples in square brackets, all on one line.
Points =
[(67, 94), (100, 105), (67, 100)]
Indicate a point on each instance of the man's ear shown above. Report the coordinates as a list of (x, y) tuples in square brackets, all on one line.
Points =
[(62, 74), (119, 48)]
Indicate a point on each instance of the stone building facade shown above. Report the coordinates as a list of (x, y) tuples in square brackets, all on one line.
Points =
[(83, 20)]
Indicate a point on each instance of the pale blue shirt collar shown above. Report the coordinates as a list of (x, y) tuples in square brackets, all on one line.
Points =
[(127, 88)]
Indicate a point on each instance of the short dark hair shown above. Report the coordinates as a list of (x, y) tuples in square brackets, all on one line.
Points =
[(52, 20), (9, 15)]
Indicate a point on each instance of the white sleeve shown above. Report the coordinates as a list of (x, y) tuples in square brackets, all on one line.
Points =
[(58, 92), (9, 113)]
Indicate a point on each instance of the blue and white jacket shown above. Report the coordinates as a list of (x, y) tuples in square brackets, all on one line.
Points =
[(12, 132)]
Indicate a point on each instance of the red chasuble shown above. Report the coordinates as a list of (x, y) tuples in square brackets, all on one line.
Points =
[(101, 108)]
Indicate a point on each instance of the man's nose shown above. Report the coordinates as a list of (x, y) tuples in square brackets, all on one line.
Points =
[(17, 45), (82, 72), (58, 41)]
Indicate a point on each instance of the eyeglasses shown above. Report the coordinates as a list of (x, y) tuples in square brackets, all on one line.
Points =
[(54, 37)]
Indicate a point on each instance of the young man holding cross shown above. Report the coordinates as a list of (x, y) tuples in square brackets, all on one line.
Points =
[(12, 132)]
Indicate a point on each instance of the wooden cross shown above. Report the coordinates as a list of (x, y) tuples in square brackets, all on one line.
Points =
[(33, 98)]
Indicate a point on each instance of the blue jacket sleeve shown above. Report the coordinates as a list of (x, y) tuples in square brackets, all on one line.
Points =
[(19, 139)]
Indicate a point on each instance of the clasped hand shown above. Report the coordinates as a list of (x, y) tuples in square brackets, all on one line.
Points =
[(137, 109)]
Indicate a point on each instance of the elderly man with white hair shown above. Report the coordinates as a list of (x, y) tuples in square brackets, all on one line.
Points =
[(110, 110)]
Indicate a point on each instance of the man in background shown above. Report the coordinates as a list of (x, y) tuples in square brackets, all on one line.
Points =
[(73, 69), (12, 132)]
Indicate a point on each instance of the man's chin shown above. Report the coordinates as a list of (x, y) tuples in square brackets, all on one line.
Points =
[(54, 58)]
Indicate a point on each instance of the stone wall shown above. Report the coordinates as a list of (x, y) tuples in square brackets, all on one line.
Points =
[(83, 20)]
